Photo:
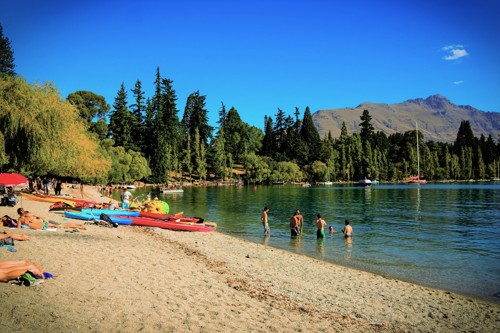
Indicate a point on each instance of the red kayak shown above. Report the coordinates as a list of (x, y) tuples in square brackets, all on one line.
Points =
[(172, 224), (178, 217), (164, 224)]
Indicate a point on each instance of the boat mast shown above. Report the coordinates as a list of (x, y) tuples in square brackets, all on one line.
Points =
[(418, 154)]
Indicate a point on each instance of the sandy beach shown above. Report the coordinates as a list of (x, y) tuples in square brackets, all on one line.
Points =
[(131, 279)]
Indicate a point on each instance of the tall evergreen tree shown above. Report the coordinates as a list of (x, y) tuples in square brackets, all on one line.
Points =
[(6, 56), (310, 136), (121, 121), (465, 137), (343, 130), (279, 131), (138, 111), (268, 141), (196, 118), (366, 135), (170, 121), (367, 128)]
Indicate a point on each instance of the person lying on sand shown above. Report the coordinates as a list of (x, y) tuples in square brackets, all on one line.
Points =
[(36, 222), (10, 270), (14, 236), (8, 221)]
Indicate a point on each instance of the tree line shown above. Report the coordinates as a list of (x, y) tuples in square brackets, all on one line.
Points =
[(143, 138)]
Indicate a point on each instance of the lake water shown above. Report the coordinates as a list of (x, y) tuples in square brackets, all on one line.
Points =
[(445, 236)]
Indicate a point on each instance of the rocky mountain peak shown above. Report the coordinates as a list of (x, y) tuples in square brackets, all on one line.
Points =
[(435, 102)]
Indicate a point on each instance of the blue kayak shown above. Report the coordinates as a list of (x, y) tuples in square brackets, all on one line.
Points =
[(122, 220), (98, 212), (81, 216)]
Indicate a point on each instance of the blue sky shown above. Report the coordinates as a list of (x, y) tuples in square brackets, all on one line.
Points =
[(259, 56)]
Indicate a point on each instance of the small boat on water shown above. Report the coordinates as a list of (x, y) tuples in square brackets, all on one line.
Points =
[(131, 186), (415, 180), (365, 182), (175, 190)]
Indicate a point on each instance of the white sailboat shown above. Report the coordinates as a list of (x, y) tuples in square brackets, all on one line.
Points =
[(416, 179)]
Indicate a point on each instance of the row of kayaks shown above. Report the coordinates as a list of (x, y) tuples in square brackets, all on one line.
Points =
[(136, 218), (75, 210)]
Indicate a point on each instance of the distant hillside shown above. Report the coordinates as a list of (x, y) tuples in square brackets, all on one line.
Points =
[(438, 118)]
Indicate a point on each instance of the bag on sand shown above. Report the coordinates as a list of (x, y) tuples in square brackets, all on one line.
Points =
[(7, 241)]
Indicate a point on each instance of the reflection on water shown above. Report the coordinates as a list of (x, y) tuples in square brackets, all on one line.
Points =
[(348, 248), (296, 243), (320, 246), (265, 240)]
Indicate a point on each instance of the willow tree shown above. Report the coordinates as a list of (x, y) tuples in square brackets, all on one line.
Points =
[(44, 135)]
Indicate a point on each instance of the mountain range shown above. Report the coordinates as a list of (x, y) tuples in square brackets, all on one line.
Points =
[(438, 119)]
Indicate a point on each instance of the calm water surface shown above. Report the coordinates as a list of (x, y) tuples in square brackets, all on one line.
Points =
[(445, 236)]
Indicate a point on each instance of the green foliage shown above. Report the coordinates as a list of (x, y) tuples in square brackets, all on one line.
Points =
[(43, 134), (121, 121), (310, 136), (219, 155), (366, 126), (89, 105), (6, 56), (126, 166), (319, 171), (257, 168)]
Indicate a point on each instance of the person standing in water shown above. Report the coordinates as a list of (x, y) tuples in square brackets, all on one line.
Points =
[(347, 231), (264, 221), (320, 224), (294, 225), (300, 221)]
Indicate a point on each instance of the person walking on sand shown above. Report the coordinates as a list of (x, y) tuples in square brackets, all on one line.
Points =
[(347, 231), (263, 219), (320, 224)]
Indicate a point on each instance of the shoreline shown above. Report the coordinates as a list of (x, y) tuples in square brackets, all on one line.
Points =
[(132, 278)]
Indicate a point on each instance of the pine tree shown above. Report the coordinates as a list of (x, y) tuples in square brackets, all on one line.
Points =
[(465, 137), (121, 121), (343, 130), (138, 111), (268, 141), (366, 126), (6, 56), (310, 136)]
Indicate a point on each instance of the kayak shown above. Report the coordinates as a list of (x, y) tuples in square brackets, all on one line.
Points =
[(98, 212), (163, 224), (81, 216), (170, 216), (56, 198)]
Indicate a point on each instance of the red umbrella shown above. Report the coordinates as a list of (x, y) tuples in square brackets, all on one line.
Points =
[(12, 179)]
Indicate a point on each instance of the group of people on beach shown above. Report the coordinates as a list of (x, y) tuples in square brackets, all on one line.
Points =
[(45, 184), (297, 225)]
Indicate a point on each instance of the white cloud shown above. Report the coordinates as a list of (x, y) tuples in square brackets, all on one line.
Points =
[(454, 52), (458, 82), (451, 47)]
